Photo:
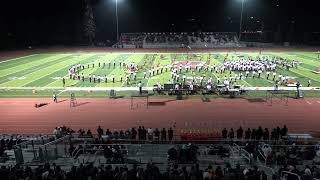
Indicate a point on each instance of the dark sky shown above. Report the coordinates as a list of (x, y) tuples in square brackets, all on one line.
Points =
[(61, 21)]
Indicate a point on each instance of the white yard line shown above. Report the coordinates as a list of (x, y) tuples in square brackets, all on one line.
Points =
[(18, 58), (149, 88)]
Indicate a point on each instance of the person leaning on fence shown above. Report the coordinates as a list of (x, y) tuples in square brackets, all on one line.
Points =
[(224, 133), (100, 131), (163, 135), (231, 134), (157, 134), (170, 134), (239, 133), (150, 134)]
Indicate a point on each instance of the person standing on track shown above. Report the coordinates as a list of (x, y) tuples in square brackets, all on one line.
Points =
[(140, 87), (55, 98)]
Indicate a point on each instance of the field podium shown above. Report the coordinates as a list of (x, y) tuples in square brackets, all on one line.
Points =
[(281, 95), (73, 100), (139, 100)]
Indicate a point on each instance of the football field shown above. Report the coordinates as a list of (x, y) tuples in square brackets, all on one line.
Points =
[(19, 76)]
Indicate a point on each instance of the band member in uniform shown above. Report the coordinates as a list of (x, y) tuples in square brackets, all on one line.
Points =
[(112, 78), (127, 79), (134, 76), (63, 82)]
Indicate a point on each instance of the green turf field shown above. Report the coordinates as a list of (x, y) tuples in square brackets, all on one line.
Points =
[(46, 70)]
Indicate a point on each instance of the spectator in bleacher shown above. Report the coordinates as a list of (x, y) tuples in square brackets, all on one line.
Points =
[(115, 135), (224, 133), (273, 134), (163, 135), (247, 134), (144, 133), (157, 134), (218, 173), (208, 173), (231, 134), (259, 133), (278, 132), (100, 132), (127, 134), (133, 134), (57, 133), (150, 134), (253, 134), (284, 131), (89, 133), (140, 135), (240, 133), (108, 133), (170, 134), (121, 135), (266, 134)]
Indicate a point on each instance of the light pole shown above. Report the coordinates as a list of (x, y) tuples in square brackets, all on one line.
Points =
[(117, 20), (240, 28)]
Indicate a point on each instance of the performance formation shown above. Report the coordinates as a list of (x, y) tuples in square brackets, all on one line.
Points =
[(156, 90)]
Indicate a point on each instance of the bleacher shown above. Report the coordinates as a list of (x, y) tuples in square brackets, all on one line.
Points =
[(283, 155), (179, 40)]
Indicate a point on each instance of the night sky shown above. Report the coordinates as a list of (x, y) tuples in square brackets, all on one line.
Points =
[(50, 22)]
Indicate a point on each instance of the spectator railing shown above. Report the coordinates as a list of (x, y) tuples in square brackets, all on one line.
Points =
[(242, 152), (290, 173), (50, 150), (262, 156)]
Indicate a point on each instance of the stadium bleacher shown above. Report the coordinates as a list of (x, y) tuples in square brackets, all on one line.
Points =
[(116, 153), (178, 40)]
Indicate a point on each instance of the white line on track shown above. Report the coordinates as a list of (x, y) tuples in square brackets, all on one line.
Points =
[(18, 58), (308, 102), (318, 102)]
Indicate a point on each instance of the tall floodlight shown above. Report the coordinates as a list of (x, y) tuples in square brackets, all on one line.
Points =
[(117, 20), (240, 28)]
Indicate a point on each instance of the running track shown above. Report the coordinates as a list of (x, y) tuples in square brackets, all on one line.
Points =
[(18, 115)]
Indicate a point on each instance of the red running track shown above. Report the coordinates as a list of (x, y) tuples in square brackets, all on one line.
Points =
[(18, 115)]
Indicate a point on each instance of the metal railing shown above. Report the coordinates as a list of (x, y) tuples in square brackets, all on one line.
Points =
[(293, 174), (262, 156)]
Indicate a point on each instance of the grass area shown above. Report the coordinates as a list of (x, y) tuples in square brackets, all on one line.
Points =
[(47, 70)]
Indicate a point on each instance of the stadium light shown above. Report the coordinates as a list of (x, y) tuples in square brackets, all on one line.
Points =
[(240, 28), (117, 20)]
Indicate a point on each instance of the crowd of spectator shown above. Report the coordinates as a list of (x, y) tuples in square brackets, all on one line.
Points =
[(182, 39), (140, 134), (150, 172), (8, 144), (255, 134), (59, 132)]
